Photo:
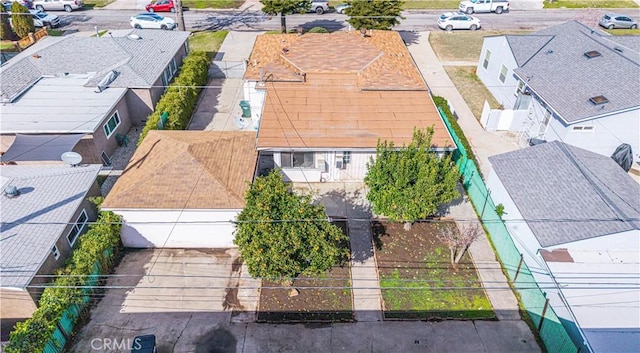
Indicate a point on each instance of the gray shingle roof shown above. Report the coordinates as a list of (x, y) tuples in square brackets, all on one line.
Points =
[(30, 226), (140, 62), (565, 78), (566, 194)]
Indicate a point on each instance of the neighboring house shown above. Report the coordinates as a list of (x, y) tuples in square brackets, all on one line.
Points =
[(95, 88), (321, 109), (575, 217), (40, 227), (183, 189), (569, 83)]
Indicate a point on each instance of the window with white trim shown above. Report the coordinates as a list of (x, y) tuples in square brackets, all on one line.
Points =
[(174, 66), (487, 57), (55, 252), (519, 88), (503, 73), (78, 227), (297, 160), (346, 157), (583, 128), (112, 124)]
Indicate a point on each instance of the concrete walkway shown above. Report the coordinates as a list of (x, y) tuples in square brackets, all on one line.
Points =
[(218, 107), (484, 143)]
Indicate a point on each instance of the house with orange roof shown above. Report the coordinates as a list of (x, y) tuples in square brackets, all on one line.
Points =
[(321, 102), (184, 189)]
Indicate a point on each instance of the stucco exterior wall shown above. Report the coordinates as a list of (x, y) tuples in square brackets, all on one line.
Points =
[(500, 55), (178, 229)]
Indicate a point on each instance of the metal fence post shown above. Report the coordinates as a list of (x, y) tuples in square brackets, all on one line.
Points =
[(515, 278), (486, 198), (544, 310)]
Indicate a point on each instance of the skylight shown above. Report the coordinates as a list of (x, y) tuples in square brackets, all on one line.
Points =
[(597, 100), (592, 54)]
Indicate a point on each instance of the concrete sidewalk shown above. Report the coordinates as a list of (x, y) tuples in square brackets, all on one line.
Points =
[(484, 143)]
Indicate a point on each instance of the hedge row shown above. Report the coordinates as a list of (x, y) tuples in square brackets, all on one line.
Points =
[(444, 105), (32, 335), (181, 96)]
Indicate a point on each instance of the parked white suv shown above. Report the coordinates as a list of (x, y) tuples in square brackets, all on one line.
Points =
[(59, 5), (473, 6)]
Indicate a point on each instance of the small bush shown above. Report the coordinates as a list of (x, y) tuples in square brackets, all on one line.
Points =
[(318, 30), (181, 96)]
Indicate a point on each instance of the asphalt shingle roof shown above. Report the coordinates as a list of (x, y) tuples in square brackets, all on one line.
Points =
[(560, 73), (33, 221), (139, 62), (566, 194)]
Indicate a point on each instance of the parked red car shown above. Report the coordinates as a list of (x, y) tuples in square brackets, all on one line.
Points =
[(161, 6)]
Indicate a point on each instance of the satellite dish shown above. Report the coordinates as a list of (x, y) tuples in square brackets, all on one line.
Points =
[(71, 158)]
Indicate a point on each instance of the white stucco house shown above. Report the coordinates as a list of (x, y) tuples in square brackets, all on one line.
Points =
[(574, 215), (184, 189), (320, 109), (568, 83)]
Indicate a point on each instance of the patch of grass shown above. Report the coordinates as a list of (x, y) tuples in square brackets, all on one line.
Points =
[(471, 88), (97, 3), (602, 4), (418, 281), (207, 41), (459, 46), (55, 32), (208, 4), (101, 33), (624, 32), (434, 4), (7, 45)]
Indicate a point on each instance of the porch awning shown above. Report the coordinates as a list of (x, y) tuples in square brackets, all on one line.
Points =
[(47, 147)]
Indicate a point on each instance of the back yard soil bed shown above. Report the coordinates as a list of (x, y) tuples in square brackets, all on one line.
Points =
[(418, 280), (326, 298)]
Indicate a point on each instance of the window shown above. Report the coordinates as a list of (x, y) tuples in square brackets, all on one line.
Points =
[(503, 73), (519, 88), (78, 227), (487, 57), (297, 159), (174, 66), (583, 128), (346, 157), (112, 124), (56, 252)]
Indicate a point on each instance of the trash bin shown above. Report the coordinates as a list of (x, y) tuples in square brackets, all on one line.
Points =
[(246, 109)]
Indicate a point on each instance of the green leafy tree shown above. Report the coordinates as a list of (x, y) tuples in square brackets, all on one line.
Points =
[(284, 8), (22, 20), (409, 183), (5, 26), (374, 14), (281, 234)]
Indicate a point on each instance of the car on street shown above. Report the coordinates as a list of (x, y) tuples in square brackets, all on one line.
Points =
[(458, 20), (161, 6), (319, 6), (614, 20), (340, 8), (473, 6), (43, 19), (58, 5), (151, 20)]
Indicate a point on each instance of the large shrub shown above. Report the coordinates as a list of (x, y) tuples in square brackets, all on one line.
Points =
[(6, 33), (33, 334), (181, 96), (22, 20), (444, 106)]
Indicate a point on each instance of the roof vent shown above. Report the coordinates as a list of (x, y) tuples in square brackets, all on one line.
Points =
[(134, 36), (106, 80), (597, 100), (618, 49), (592, 54), (11, 192)]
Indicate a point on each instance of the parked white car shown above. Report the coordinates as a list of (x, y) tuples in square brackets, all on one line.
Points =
[(43, 19), (458, 20), (58, 5), (152, 21)]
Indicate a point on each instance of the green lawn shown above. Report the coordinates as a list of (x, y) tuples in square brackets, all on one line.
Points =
[(417, 4), (208, 41), (97, 3), (603, 4), (459, 46), (471, 88), (6, 45), (212, 4)]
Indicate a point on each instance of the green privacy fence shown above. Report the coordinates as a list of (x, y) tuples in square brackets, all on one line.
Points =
[(64, 327), (553, 334)]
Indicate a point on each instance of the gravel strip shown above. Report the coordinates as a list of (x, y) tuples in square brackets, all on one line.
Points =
[(120, 159)]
